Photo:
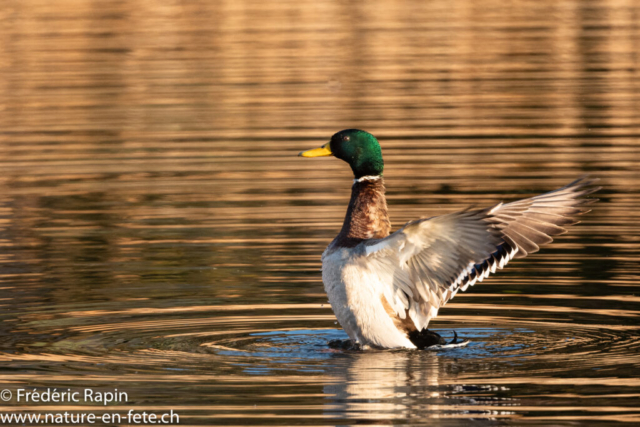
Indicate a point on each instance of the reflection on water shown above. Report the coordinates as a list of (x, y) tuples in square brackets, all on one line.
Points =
[(158, 233)]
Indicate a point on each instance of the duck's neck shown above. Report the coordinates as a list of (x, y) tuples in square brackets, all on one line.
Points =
[(367, 216)]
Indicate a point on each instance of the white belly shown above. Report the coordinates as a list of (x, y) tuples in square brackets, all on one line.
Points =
[(355, 295)]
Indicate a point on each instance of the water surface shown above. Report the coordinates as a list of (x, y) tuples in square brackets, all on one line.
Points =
[(159, 235)]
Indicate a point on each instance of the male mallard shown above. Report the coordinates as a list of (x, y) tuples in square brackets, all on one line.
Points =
[(385, 288)]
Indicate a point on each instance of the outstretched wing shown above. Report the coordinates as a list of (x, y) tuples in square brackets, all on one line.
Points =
[(428, 261)]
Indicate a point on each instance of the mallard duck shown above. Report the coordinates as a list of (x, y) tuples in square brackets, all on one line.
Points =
[(385, 288)]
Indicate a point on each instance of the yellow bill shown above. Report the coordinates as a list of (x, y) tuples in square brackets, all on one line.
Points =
[(323, 151)]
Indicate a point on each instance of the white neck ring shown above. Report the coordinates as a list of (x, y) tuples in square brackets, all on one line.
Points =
[(367, 178)]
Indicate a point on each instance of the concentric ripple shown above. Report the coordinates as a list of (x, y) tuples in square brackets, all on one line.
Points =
[(280, 341), (502, 372)]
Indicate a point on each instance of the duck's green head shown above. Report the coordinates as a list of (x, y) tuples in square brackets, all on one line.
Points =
[(358, 148)]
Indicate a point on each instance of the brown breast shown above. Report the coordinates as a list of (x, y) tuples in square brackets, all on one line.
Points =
[(367, 216)]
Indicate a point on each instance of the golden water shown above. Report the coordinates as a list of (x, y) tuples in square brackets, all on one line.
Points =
[(159, 235)]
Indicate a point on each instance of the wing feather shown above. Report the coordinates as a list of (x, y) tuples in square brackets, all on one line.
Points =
[(430, 260)]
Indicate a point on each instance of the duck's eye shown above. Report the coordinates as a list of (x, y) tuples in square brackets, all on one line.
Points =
[(346, 138)]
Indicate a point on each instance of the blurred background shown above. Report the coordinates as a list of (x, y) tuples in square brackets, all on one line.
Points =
[(159, 235)]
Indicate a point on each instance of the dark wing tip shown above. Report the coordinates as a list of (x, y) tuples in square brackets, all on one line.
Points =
[(530, 223), (585, 184)]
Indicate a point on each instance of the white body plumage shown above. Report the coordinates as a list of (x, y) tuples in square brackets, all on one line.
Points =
[(355, 294)]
